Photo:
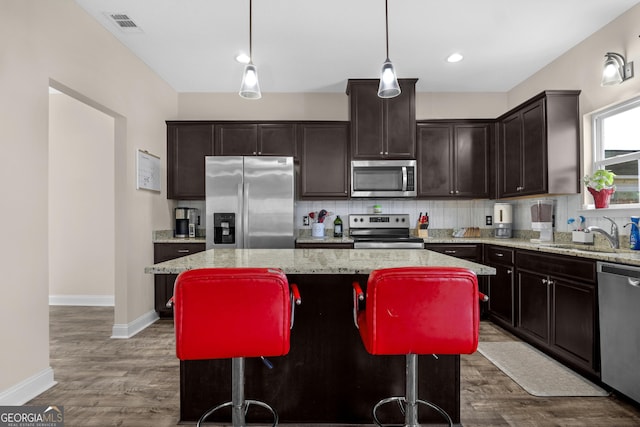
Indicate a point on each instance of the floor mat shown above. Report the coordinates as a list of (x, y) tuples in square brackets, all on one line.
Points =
[(535, 372)]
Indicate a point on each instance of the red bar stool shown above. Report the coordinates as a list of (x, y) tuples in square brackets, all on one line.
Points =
[(222, 313), (418, 310)]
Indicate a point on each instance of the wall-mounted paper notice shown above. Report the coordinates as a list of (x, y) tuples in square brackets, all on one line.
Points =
[(148, 166)]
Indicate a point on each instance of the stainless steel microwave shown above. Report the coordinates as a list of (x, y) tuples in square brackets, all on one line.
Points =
[(383, 178)]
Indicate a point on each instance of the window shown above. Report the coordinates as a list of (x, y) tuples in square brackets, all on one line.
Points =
[(617, 148)]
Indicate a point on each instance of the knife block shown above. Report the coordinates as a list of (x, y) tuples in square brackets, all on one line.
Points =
[(422, 230)]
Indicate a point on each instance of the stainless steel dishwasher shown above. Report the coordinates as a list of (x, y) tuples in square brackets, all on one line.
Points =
[(619, 309)]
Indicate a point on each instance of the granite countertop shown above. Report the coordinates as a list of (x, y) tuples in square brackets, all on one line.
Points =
[(315, 261), (598, 253), (562, 245)]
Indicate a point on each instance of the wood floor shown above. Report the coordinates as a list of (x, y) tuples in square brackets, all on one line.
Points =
[(107, 382)]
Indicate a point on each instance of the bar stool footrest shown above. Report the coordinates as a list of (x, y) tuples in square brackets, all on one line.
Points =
[(246, 405), (402, 403)]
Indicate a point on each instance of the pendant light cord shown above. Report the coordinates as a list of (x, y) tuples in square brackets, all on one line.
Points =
[(386, 16), (250, 32)]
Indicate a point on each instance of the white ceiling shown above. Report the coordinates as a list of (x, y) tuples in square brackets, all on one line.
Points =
[(315, 46)]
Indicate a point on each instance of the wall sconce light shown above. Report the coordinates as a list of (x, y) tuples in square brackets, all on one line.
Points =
[(250, 88), (616, 69), (389, 86)]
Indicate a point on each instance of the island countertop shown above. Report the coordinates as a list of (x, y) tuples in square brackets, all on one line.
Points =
[(315, 261)]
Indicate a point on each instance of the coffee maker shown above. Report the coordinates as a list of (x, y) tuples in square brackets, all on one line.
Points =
[(502, 220), (187, 221), (542, 220)]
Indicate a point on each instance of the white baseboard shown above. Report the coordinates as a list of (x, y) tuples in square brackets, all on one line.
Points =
[(128, 330), (26, 390), (85, 300)]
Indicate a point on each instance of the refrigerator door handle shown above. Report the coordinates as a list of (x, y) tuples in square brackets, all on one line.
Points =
[(245, 215), (240, 219)]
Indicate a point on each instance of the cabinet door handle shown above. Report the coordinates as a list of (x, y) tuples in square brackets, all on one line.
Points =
[(544, 281), (498, 254), (381, 153), (457, 192), (450, 191), (509, 271), (183, 251)]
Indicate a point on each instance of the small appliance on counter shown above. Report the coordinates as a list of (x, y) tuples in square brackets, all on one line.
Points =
[(187, 222), (503, 220), (542, 220)]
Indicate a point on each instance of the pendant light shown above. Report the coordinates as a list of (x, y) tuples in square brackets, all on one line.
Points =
[(250, 88), (389, 86)]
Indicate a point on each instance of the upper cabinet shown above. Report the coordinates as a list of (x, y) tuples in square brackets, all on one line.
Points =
[(187, 145), (324, 149), (539, 146), (453, 158), (251, 139), (382, 128)]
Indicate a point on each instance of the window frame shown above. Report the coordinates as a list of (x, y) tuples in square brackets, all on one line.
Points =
[(598, 160)]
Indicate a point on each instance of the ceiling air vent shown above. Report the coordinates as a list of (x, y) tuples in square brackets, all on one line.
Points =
[(124, 22)]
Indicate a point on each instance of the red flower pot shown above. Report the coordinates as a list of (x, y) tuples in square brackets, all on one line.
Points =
[(602, 197)]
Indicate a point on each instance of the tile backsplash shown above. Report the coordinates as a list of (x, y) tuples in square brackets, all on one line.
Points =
[(443, 214)]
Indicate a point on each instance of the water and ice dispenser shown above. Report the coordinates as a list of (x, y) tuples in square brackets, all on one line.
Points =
[(224, 228)]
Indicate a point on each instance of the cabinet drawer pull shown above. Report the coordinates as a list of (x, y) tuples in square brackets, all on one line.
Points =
[(449, 252), (183, 251), (498, 254)]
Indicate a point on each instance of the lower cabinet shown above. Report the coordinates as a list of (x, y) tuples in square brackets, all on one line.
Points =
[(557, 307), (501, 289), (163, 283), (324, 245)]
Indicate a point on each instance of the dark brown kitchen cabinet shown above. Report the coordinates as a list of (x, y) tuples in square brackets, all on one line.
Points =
[(324, 160), (382, 128), (500, 287), (324, 245), (453, 158), (187, 145), (557, 308), (163, 283), (539, 146), (255, 139)]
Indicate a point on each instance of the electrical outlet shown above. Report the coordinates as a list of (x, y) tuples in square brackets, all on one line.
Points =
[(488, 220), (305, 220)]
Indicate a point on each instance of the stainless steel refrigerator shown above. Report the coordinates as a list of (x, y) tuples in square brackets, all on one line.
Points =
[(250, 202)]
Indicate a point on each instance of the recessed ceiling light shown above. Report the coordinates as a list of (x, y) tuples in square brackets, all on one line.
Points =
[(454, 57), (243, 58)]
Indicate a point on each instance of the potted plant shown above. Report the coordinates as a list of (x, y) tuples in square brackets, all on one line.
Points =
[(600, 185)]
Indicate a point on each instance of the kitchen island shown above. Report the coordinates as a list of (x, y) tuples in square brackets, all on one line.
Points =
[(327, 377)]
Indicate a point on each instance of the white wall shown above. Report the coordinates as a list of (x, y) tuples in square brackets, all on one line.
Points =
[(81, 203), (56, 42)]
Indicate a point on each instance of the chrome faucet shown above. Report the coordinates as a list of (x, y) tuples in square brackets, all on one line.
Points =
[(613, 237)]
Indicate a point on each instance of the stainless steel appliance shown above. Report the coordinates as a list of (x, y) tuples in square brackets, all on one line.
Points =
[(618, 302), (187, 222), (250, 202), (502, 220), (375, 231), (383, 178)]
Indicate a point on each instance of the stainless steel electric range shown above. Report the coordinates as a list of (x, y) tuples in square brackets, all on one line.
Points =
[(378, 231)]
